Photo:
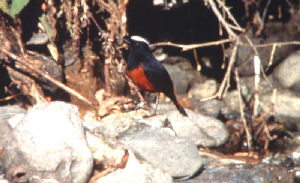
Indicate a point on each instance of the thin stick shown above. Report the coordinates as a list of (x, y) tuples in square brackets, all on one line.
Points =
[(271, 57), (221, 19), (226, 81), (221, 3), (101, 31), (197, 60), (265, 11), (23, 61), (249, 138), (185, 47), (252, 45), (279, 44)]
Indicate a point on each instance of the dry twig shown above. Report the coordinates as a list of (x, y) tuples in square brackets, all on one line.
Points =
[(225, 24), (271, 56), (226, 81), (226, 9), (279, 44), (23, 61), (185, 47), (248, 134)]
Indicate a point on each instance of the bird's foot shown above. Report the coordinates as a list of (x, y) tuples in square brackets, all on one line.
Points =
[(140, 105)]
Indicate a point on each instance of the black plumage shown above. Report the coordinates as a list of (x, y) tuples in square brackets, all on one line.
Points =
[(141, 58)]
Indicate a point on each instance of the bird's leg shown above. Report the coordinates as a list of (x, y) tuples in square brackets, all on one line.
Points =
[(156, 102)]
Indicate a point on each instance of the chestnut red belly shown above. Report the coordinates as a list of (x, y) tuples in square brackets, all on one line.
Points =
[(139, 78)]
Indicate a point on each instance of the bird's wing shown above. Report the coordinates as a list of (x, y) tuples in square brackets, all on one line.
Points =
[(158, 76)]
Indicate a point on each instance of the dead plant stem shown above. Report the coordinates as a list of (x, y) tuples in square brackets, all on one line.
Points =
[(193, 46), (248, 134), (23, 61)]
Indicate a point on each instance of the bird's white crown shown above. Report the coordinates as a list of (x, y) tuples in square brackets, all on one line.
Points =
[(139, 38)]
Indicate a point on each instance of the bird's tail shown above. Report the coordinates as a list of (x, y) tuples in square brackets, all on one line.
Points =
[(178, 104)]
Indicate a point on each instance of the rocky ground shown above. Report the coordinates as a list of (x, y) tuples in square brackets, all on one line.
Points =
[(68, 113), (51, 143)]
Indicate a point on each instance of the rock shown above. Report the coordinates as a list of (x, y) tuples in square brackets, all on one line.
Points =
[(286, 107), (175, 155), (47, 142), (182, 73), (136, 171), (180, 79), (295, 154), (203, 90), (10, 111), (244, 173), (54, 69), (231, 106), (106, 151), (247, 85), (289, 67), (276, 33), (211, 107), (202, 130), (114, 124)]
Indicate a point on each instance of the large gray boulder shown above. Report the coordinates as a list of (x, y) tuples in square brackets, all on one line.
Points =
[(47, 142)]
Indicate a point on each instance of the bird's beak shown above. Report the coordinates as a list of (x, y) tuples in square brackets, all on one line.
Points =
[(126, 39)]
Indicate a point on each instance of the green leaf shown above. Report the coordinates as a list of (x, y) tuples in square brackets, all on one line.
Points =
[(17, 6), (47, 26), (5, 7)]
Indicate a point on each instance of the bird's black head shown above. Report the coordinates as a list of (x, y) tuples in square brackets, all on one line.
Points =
[(137, 45)]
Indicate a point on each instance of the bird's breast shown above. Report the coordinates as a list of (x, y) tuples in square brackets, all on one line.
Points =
[(137, 75)]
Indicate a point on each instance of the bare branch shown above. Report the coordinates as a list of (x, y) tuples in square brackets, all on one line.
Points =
[(271, 56), (278, 44), (221, 3), (185, 47), (226, 81), (249, 137), (23, 61), (221, 19)]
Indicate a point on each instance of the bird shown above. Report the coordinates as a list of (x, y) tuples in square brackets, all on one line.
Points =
[(147, 73)]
